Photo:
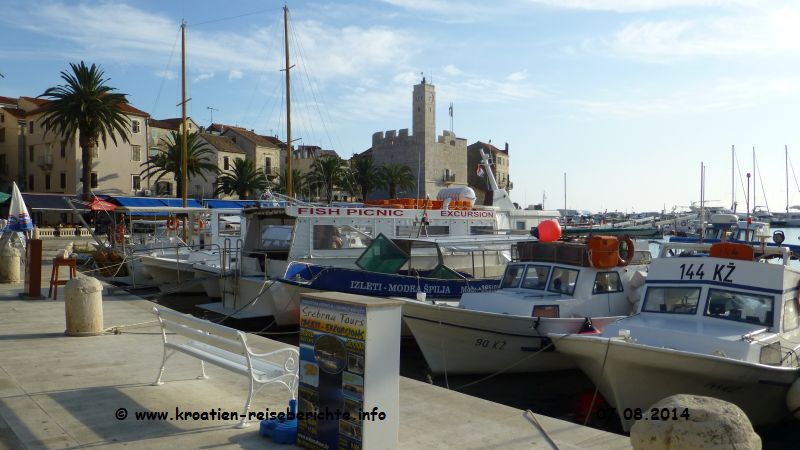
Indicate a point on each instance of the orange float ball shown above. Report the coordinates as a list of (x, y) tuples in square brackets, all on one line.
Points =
[(549, 230)]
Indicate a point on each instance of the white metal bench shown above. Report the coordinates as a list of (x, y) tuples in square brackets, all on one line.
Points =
[(227, 348)]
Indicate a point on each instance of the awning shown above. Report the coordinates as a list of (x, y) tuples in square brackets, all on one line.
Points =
[(155, 202), (230, 204), (51, 202)]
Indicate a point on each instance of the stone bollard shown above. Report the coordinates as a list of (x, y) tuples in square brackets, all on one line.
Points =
[(10, 265), (712, 424), (83, 302)]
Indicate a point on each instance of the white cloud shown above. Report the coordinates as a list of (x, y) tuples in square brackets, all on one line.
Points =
[(167, 74), (235, 74), (454, 11), (518, 76), (756, 33), (203, 76), (151, 39), (640, 5), (451, 70), (722, 95)]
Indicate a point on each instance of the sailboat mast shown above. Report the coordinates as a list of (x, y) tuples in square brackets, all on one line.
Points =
[(288, 105), (733, 185), (754, 179), (184, 180)]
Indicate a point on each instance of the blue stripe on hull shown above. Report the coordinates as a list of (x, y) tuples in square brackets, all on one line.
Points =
[(382, 285)]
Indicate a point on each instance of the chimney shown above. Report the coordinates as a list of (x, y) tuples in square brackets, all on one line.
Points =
[(506, 147)]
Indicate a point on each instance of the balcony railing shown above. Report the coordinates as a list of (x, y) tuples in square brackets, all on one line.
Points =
[(45, 162)]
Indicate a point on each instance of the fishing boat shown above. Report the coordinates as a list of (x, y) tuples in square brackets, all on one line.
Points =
[(437, 268), (716, 321), (571, 286), (331, 236), (176, 272)]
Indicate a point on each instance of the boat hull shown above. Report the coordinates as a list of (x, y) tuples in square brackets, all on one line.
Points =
[(636, 376), (460, 341), (172, 276), (360, 282)]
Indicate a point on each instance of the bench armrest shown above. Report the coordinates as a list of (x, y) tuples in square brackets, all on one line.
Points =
[(292, 357)]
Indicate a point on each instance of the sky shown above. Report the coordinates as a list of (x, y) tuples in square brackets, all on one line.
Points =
[(623, 99)]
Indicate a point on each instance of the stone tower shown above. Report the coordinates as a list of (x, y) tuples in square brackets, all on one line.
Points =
[(424, 114), (437, 162)]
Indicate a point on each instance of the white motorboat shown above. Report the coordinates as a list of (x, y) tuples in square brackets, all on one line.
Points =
[(566, 286), (175, 271), (717, 322)]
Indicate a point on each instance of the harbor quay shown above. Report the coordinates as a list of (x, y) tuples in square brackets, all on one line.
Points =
[(58, 391)]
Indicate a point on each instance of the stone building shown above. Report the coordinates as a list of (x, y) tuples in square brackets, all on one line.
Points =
[(500, 164), (436, 161), (47, 163), (159, 136), (268, 153)]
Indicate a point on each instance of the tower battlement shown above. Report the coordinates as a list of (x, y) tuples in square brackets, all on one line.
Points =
[(390, 137)]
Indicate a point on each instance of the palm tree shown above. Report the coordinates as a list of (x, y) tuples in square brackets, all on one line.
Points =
[(396, 176), (365, 174), (328, 173), (299, 183), (86, 106), (244, 179), (168, 160)]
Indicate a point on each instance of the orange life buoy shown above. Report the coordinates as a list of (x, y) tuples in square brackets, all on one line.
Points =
[(199, 224), (172, 223), (629, 251), (119, 234)]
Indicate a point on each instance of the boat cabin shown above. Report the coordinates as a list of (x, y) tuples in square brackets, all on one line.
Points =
[(557, 279), (728, 293), (336, 235)]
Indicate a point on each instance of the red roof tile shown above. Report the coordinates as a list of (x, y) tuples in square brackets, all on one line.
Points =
[(16, 112), (8, 101)]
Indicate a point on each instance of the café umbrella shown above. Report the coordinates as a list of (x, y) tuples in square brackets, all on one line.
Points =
[(19, 220)]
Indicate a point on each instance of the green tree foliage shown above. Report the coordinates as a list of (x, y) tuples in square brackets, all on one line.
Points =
[(244, 179), (169, 160), (87, 106), (394, 177)]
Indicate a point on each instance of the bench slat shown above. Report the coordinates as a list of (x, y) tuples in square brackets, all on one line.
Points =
[(235, 347), (193, 322), (261, 367)]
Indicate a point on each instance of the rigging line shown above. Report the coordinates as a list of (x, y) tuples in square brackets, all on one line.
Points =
[(263, 70), (238, 16), (349, 179), (741, 181), (163, 75), (794, 175), (763, 191), (301, 52)]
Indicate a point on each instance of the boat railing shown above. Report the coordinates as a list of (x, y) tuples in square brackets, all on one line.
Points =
[(671, 249), (751, 336)]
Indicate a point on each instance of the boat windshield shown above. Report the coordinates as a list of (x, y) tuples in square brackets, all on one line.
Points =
[(672, 300), (276, 237), (606, 282), (536, 277), (740, 306), (563, 280), (791, 315), (512, 276)]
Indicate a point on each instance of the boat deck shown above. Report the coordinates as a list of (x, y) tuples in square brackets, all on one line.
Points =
[(66, 392)]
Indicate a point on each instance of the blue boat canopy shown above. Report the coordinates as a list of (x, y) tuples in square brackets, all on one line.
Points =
[(158, 202), (234, 204)]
